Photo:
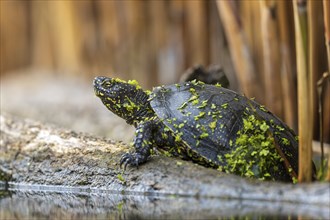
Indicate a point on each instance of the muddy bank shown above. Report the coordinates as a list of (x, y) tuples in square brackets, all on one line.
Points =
[(35, 153)]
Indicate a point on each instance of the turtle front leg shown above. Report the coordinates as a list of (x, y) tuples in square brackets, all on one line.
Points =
[(142, 143)]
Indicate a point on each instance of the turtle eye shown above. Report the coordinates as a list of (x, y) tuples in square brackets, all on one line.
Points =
[(106, 84)]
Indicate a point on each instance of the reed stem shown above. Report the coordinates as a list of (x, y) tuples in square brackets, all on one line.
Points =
[(304, 92)]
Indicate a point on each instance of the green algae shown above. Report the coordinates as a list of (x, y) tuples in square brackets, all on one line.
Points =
[(255, 153)]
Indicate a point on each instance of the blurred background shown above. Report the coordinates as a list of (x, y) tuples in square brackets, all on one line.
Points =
[(52, 50)]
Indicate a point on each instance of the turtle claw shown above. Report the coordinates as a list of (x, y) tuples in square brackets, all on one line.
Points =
[(129, 159)]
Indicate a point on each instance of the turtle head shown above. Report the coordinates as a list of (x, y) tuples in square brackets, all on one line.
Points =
[(124, 98)]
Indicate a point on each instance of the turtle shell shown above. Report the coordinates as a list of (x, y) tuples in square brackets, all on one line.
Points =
[(208, 119)]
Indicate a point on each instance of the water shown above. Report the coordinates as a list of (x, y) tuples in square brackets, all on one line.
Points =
[(30, 202)]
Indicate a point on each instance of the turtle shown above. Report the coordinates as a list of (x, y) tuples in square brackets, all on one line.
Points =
[(206, 124)]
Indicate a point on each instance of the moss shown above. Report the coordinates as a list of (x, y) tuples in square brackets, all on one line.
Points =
[(203, 104), (134, 83), (224, 106), (255, 153), (192, 90), (200, 115), (178, 137), (262, 108), (218, 85), (164, 135), (179, 163), (181, 125), (183, 106), (213, 125), (204, 135), (192, 98), (285, 141), (195, 102), (279, 128), (121, 178), (294, 180)]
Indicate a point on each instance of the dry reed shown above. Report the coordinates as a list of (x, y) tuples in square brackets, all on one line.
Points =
[(304, 96)]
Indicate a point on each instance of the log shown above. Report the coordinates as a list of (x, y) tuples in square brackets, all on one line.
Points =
[(52, 159)]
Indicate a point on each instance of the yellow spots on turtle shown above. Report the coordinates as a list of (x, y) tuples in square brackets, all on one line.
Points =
[(213, 106), (178, 137), (216, 114), (200, 115), (145, 143), (224, 106), (197, 83), (213, 125), (117, 80), (218, 85), (134, 83), (188, 114), (192, 98), (110, 99), (236, 99), (164, 135), (183, 106), (164, 90), (279, 128), (203, 104), (285, 141), (130, 106), (204, 135), (181, 125), (263, 126), (167, 153), (220, 158), (247, 109), (151, 97), (262, 108), (101, 94), (195, 102)]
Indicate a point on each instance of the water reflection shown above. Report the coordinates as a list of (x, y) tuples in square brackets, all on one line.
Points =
[(28, 204)]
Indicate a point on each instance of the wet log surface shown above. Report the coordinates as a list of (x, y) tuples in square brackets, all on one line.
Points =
[(44, 156)]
